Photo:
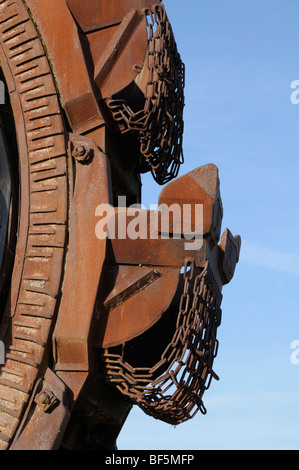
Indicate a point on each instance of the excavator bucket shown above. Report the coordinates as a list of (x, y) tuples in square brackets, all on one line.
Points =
[(104, 304)]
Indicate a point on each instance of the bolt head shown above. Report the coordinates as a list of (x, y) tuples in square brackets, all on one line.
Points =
[(82, 153), (46, 400)]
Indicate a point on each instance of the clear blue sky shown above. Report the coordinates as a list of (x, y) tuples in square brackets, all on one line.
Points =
[(241, 57)]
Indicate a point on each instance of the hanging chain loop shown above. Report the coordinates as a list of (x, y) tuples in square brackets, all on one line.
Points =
[(172, 390), (159, 125)]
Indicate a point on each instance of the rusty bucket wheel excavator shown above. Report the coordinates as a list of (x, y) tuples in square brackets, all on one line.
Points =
[(94, 97)]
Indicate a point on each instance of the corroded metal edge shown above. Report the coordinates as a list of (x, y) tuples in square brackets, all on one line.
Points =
[(29, 317)]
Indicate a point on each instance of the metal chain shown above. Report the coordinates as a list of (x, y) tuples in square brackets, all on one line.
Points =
[(172, 390), (159, 125)]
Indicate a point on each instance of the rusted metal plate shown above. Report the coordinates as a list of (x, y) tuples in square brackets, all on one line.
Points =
[(198, 187), (97, 14), (86, 255), (123, 56), (136, 304), (58, 28), (230, 246), (157, 252)]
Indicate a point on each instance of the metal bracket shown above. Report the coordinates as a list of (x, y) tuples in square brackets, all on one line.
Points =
[(89, 185), (46, 417)]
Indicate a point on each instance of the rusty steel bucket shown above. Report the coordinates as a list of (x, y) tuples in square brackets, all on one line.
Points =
[(94, 98)]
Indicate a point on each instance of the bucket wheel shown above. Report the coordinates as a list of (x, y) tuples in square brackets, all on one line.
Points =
[(34, 211), (93, 97)]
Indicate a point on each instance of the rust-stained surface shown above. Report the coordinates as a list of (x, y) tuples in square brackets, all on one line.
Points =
[(92, 325)]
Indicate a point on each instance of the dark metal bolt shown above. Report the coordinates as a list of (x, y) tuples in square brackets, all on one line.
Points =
[(46, 400), (82, 153)]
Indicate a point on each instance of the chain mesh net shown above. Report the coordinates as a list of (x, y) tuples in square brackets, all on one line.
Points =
[(173, 388), (159, 125)]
